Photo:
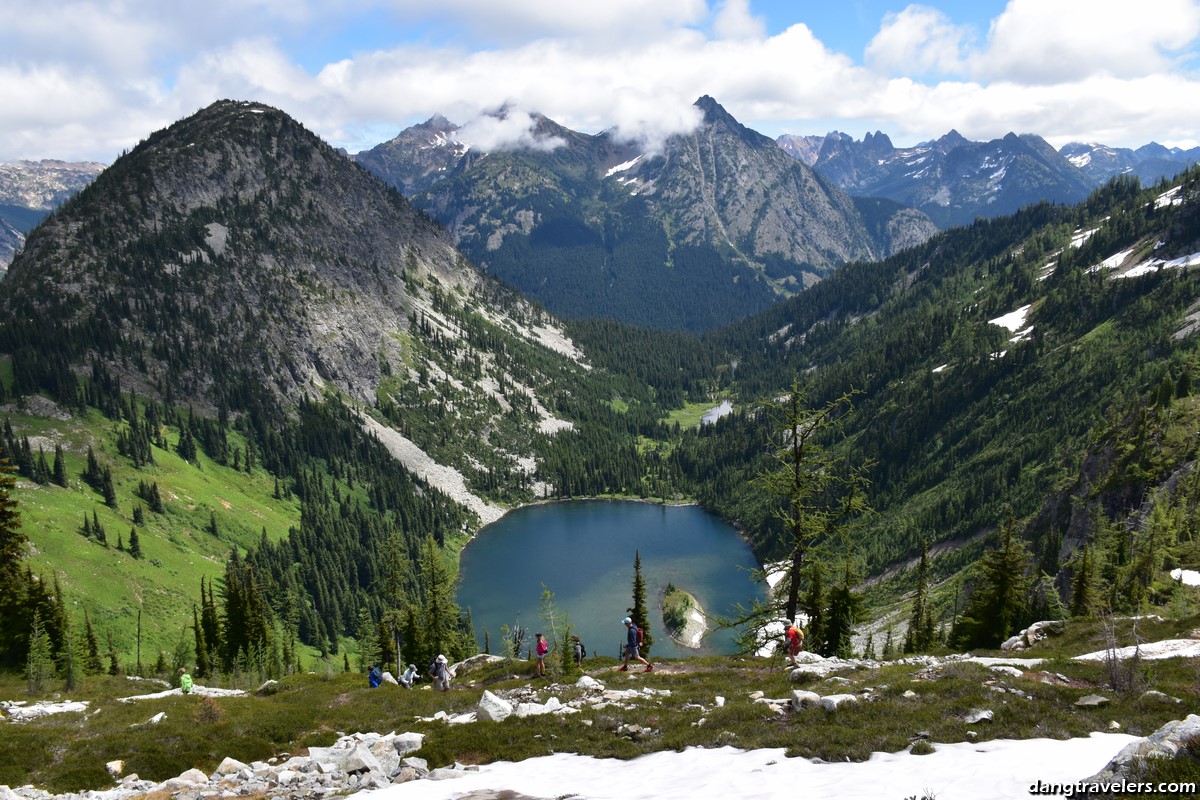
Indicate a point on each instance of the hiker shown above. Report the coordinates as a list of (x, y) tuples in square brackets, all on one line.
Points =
[(579, 651), (439, 670), (633, 641), (409, 677), (795, 643), (374, 676), (185, 681), (540, 651)]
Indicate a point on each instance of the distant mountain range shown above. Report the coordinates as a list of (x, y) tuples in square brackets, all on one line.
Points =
[(718, 225), (955, 180), (29, 190)]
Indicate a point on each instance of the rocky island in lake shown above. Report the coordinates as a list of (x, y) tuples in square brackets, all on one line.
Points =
[(683, 617)]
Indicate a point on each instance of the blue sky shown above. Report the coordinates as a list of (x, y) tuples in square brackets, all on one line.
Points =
[(86, 79)]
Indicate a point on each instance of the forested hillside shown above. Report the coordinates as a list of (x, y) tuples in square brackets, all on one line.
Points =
[(1033, 371)]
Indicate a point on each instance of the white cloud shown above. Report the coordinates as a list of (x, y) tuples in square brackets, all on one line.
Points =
[(1042, 43), (919, 41), (507, 129), (733, 20), (518, 21), (87, 79)]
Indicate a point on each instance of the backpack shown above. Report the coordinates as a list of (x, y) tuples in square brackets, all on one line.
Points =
[(433, 662), (641, 640)]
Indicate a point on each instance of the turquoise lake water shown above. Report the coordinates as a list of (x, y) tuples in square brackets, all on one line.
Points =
[(583, 552)]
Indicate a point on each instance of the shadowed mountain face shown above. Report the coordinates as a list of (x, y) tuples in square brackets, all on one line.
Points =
[(719, 224), (237, 249)]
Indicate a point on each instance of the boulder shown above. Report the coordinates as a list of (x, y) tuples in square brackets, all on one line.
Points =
[(230, 766), (802, 699), (115, 768), (493, 708), (360, 759), (589, 684), (193, 776), (414, 763), (1169, 741), (1012, 672), (1159, 697), (408, 742), (1091, 701), (977, 715), (834, 701)]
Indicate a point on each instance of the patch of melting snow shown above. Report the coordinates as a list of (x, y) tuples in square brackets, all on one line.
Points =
[(1151, 651), (1112, 262), (999, 769), (622, 167), (1080, 237), (1169, 198), (1155, 264), (1190, 577), (1013, 320)]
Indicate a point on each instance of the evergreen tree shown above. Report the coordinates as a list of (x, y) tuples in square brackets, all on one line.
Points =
[(919, 636), (59, 473), (638, 612), (1000, 601), (1084, 593), (14, 585), (135, 544), (40, 662), (816, 494), (92, 664), (369, 650), (845, 607), (814, 606)]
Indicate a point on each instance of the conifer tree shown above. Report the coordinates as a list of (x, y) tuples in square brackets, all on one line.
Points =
[(1083, 585), (40, 661), (638, 612), (59, 473), (92, 664), (814, 606), (1000, 602), (919, 636), (135, 544)]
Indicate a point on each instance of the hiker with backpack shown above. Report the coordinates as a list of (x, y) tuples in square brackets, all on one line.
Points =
[(578, 650), (795, 643), (540, 651), (633, 644), (439, 670)]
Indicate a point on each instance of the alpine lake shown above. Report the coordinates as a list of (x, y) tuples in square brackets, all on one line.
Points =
[(583, 553)]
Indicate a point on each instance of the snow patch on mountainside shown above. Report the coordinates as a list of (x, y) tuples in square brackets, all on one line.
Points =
[(441, 477)]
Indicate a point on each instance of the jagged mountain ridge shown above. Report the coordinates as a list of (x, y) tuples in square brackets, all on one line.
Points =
[(418, 157), (717, 225), (953, 180), (1150, 163)]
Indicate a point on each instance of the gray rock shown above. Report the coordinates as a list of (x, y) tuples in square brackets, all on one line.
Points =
[(115, 768), (230, 766), (977, 715), (493, 708), (418, 764), (444, 773), (1167, 742), (802, 699), (406, 774), (408, 742), (834, 701), (589, 684), (1092, 701), (193, 776), (360, 759), (1160, 697)]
